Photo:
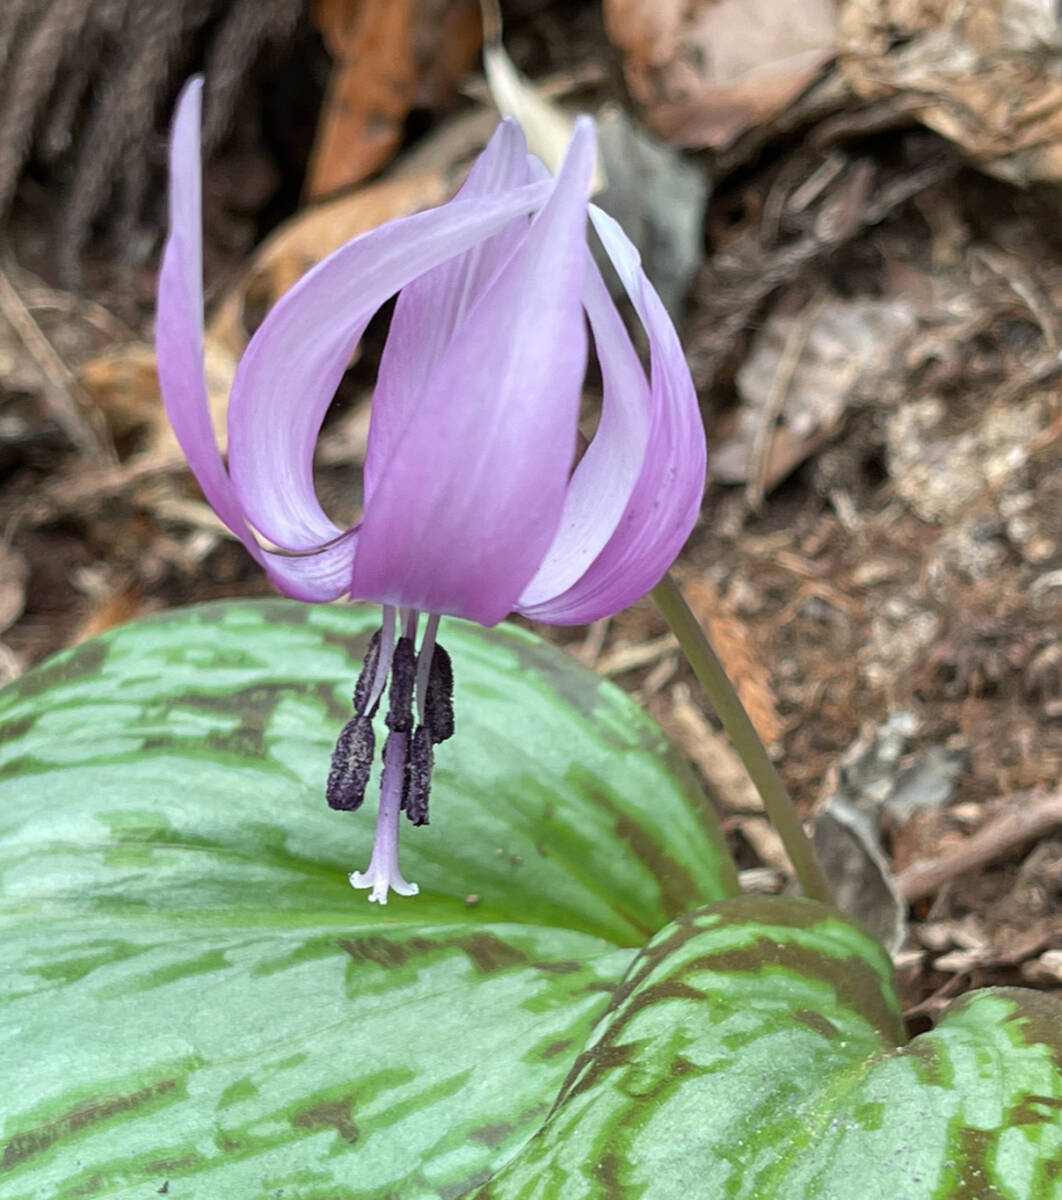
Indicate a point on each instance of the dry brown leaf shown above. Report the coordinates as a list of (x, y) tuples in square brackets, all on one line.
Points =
[(390, 56), (847, 846), (370, 93), (706, 71), (1045, 970), (631, 656), (762, 836), (798, 379), (733, 644), (11, 665), (67, 404), (940, 472), (124, 383), (986, 75), (448, 35)]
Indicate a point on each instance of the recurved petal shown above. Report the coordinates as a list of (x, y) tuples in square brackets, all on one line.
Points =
[(179, 322), (602, 483), (666, 499), (318, 577), (179, 345), (293, 364), (430, 308), (470, 498)]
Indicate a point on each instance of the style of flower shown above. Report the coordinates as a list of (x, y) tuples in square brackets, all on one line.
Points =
[(474, 504)]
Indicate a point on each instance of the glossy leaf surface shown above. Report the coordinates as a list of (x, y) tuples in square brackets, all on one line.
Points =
[(194, 999), (193, 995), (753, 1051)]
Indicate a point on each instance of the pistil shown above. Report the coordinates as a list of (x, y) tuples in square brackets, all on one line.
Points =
[(383, 872)]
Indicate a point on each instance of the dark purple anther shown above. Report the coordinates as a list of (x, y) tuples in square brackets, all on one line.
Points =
[(351, 765), (418, 777), (400, 697), (439, 697), (363, 688)]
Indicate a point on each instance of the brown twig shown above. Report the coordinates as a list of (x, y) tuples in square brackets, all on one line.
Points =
[(88, 491), (73, 408), (1029, 816), (37, 296)]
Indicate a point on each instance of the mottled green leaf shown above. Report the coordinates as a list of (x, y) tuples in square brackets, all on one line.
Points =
[(195, 1001), (753, 1052), (194, 996)]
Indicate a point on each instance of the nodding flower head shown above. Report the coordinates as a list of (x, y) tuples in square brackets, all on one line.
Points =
[(474, 503)]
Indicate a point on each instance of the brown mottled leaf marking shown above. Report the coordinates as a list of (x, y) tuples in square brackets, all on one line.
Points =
[(336, 1113), (25, 1145), (68, 668)]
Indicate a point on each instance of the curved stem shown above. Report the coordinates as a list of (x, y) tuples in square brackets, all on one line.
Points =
[(746, 741)]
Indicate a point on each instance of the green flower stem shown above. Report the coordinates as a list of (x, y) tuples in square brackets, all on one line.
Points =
[(746, 741)]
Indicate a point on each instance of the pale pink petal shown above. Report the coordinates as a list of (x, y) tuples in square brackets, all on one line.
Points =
[(179, 342), (470, 499), (602, 483), (666, 500), (179, 325), (293, 365), (430, 308)]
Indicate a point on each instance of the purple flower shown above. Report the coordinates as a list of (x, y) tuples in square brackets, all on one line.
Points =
[(472, 506)]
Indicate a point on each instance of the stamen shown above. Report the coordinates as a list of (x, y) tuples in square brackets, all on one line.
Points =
[(435, 685), (383, 663), (363, 688), (418, 777), (439, 697), (400, 697), (424, 657), (351, 765)]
